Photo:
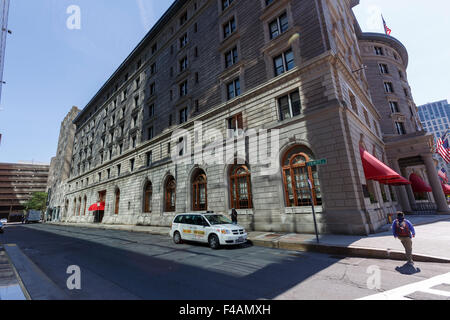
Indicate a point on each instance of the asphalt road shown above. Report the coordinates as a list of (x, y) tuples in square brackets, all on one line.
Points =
[(125, 265)]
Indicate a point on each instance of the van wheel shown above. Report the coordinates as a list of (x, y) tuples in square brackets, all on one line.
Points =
[(214, 242), (177, 238)]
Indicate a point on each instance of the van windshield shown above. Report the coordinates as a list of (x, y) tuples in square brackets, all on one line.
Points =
[(218, 219)]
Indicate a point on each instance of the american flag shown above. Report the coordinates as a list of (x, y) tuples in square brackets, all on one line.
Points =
[(386, 29), (443, 175), (443, 148)]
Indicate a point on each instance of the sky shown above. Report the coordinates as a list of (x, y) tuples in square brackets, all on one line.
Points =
[(53, 62)]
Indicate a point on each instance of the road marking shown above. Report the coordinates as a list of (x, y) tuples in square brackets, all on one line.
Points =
[(423, 286)]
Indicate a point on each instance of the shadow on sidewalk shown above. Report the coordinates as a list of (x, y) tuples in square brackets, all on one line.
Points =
[(408, 269)]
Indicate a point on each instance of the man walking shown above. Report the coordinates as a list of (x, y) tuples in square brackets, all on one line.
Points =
[(234, 216), (404, 231)]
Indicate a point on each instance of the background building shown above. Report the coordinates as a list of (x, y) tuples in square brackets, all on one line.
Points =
[(435, 118), (409, 148), (18, 182), (60, 166)]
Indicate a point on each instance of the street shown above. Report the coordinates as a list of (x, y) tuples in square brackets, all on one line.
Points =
[(125, 265)]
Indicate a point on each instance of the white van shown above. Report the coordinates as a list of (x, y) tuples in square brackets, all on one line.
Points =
[(214, 229)]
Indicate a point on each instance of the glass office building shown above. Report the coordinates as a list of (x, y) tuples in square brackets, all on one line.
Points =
[(435, 118)]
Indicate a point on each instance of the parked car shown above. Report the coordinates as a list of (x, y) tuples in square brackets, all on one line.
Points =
[(214, 229), (1, 227), (4, 221)]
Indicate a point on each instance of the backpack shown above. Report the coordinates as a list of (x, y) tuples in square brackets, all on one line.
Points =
[(403, 229)]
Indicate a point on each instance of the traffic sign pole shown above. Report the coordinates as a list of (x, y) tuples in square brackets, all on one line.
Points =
[(313, 211)]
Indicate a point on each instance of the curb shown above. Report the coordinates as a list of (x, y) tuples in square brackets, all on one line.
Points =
[(279, 243), (351, 251), (17, 275), (36, 283)]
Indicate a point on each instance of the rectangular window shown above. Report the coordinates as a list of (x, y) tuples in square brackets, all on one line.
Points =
[(388, 87), (133, 142), (183, 18), (226, 4), (290, 106), (384, 68), (183, 115), (152, 89), (284, 62), (148, 157), (151, 111), (233, 89), (235, 123), (119, 167), (231, 57), (183, 89), (229, 28), (183, 64), (353, 103), (394, 106), (183, 41), (121, 148), (153, 69), (154, 48), (278, 26), (406, 92), (379, 51), (136, 101), (400, 128), (132, 165), (150, 133)]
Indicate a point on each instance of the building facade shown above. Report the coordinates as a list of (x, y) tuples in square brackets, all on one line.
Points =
[(18, 182), (60, 167), (435, 118), (214, 78)]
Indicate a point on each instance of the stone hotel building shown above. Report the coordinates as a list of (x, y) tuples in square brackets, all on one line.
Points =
[(294, 69)]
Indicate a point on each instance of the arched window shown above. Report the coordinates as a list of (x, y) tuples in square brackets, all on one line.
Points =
[(116, 206), (199, 192), (85, 204), (295, 177), (240, 187), (170, 194), (148, 191)]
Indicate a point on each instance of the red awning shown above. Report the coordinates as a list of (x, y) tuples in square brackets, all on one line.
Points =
[(418, 185), (376, 170), (396, 182), (97, 207), (446, 189)]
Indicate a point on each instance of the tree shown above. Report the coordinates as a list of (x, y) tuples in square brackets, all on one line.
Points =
[(37, 202)]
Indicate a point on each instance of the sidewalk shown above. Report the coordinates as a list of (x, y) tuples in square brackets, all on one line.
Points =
[(430, 245)]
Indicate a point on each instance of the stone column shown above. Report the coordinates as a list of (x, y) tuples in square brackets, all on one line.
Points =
[(404, 200), (433, 177), (409, 190)]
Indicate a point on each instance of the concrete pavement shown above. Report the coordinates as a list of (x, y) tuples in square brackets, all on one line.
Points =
[(430, 245)]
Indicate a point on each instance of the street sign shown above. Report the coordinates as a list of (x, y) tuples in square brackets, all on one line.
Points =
[(316, 163)]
